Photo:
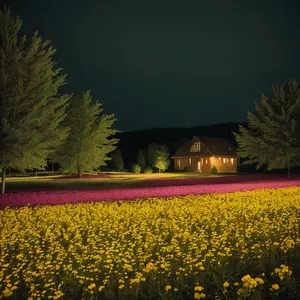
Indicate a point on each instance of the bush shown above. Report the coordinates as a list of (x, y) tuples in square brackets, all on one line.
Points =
[(148, 170), (136, 169), (214, 170), (185, 169)]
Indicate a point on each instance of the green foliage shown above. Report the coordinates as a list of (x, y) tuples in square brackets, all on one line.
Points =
[(148, 170), (152, 154), (272, 136), (89, 139), (214, 170), (162, 161), (117, 160), (31, 108), (136, 169), (141, 160)]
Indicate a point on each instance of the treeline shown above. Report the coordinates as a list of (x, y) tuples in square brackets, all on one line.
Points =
[(155, 158)]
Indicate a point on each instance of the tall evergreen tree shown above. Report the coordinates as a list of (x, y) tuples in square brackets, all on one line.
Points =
[(141, 159), (151, 154), (89, 139), (31, 108), (272, 137), (162, 161), (117, 160)]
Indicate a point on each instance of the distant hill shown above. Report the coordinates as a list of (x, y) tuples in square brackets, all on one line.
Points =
[(130, 142)]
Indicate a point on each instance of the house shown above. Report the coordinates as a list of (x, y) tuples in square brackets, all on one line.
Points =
[(202, 153)]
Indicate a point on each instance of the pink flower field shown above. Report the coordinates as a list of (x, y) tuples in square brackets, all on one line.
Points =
[(161, 188)]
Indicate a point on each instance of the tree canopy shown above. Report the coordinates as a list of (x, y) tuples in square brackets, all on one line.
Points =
[(151, 154), (90, 136), (272, 137), (162, 161), (117, 160), (31, 107), (141, 159)]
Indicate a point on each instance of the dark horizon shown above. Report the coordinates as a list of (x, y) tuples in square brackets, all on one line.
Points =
[(169, 65)]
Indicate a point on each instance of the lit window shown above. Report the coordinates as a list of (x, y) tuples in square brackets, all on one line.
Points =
[(190, 161), (197, 146), (219, 157), (231, 161), (224, 160), (178, 162), (206, 161)]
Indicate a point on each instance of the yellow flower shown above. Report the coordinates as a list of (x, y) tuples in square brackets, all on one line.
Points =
[(101, 288), (149, 267), (259, 280), (226, 284), (58, 294), (7, 293), (275, 287), (198, 288), (167, 288), (121, 286), (199, 296), (91, 286), (246, 278)]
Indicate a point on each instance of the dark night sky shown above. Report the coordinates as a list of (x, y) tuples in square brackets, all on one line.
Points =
[(170, 63)]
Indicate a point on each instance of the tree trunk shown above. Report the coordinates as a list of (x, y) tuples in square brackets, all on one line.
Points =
[(3, 181), (78, 173)]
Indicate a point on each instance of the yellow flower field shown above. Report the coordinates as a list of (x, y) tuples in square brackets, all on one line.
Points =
[(242, 245)]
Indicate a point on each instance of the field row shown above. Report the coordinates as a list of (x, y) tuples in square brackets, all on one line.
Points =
[(219, 246), (160, 188)]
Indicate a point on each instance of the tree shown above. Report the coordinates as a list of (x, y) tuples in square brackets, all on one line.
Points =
[(151, 154), (162, 161), (89, 140), (136, 168), (31, 108), (141, 160), (272, 136), (117, 160)]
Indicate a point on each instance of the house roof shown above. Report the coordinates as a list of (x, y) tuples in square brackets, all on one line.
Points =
[(209, 146)]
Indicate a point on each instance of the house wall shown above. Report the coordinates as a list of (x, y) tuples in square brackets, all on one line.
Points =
[(205, 164), (226, 167), (184, 162)]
